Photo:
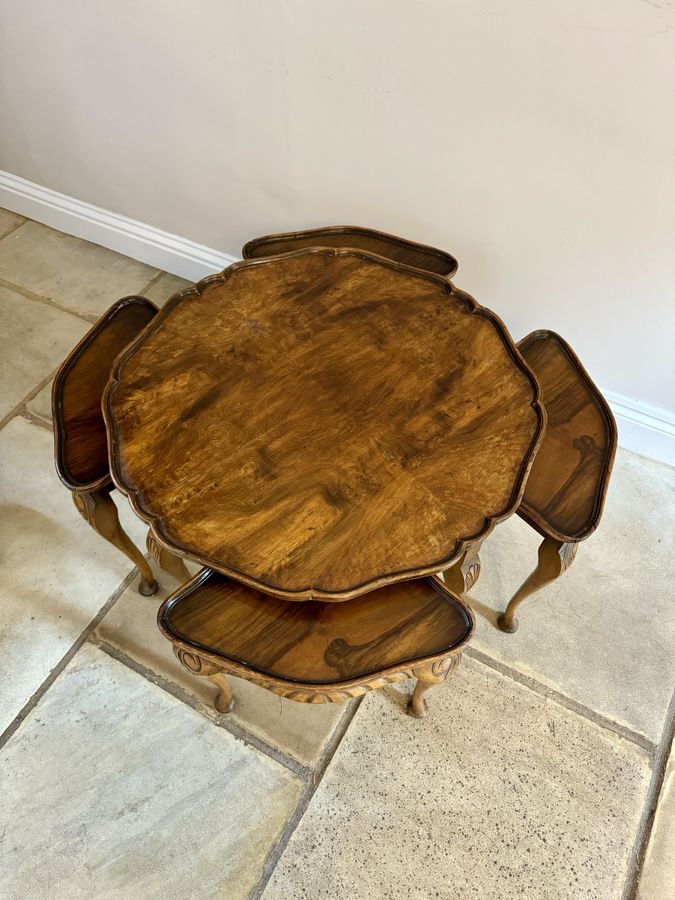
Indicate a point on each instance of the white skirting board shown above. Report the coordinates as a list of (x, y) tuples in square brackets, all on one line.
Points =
[(143, 242), (643, 428)]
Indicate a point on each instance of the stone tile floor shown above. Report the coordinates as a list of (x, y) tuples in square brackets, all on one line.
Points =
[(542, 771)]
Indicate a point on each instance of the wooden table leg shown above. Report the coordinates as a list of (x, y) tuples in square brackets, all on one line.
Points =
[(461, 577), (99, 510), (224, 701), (171, 563), (197, 665), (418, 705), (554, 557), (427, 677)]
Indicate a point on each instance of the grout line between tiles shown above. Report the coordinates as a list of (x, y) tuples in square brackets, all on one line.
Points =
[(252, 740), (220, 721), (12, 228), (153, 281), (311, 777), (336, 738), (646, 824), (35, 420), (292, 823), (275, 853), (40, 298), (20, 410), (66, 658), (551, 694)]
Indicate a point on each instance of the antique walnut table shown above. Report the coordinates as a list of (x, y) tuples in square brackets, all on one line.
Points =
[(321, 425)]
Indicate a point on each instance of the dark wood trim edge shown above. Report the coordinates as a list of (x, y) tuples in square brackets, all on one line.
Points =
[(530, 515), (448, 259), (57, 395), (251, 674), (158, 526)]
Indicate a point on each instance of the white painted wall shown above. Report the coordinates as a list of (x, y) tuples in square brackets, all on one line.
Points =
[(534, 140)]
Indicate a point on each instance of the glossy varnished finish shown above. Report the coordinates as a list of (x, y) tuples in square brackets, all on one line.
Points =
[(317, 652), (322, 423), (566, 488), (419, 256), (81, 448), (314, 642)]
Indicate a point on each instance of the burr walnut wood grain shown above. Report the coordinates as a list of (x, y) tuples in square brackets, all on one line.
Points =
[(565, 491), (80, 441), (322, 423), (410, 253), (316, 652), (566, 488)]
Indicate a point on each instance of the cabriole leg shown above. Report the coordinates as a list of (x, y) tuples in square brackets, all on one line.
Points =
[(171, 563), (418, 705), (224, 701), (197, 665), (554, 557), (427, 677), (99, 510), (461, 577)]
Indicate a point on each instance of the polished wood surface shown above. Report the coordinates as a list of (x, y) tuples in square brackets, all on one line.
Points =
[(399, 249), (566, 487), (80, 441), (315, 642), (317, 652), (322, 423)]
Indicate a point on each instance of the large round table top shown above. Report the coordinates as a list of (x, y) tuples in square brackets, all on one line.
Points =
[(322, 423)]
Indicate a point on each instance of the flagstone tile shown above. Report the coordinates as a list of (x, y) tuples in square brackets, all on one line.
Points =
[(36, 338), (166, 286), (499, 793), (603, 633), (76, 274), (9, 220), (41, 405), (55, 572), (112, 788), (657, 880)]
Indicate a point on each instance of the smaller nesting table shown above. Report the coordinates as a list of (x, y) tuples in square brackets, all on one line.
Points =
[(316, 652), (400, 250), (566, 488), (80, 437)]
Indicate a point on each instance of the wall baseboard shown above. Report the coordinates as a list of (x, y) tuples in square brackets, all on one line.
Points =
[(84, 220), (644, 429)]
